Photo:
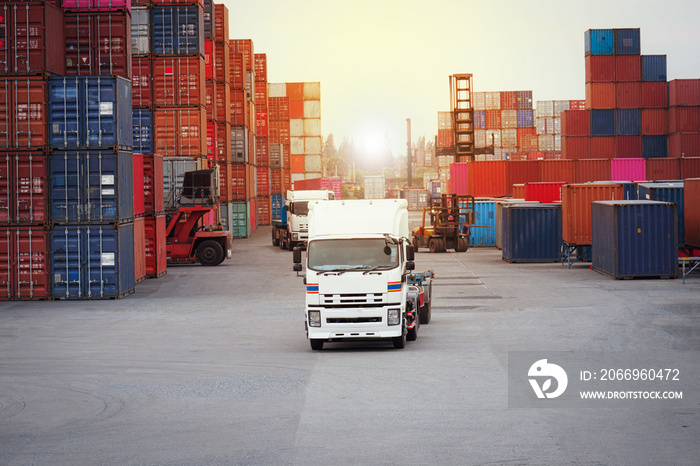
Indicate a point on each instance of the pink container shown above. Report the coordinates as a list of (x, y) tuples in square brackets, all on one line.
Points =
[(96, 5), (628, 169), (459, 178)]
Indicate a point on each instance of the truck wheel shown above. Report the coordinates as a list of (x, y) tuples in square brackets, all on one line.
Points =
[(282, 244), (210, 253), (462, 244), (399, 342), (442, 245), (316, 344), (434, 244), (275, 238), (426, 311)]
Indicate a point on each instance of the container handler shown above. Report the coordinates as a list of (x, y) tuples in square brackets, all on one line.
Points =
[(359, 280), (451, 217), (188, 240), (291, 229)]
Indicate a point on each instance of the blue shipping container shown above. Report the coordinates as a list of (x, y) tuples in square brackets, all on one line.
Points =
[(602, 122), (483, 232), (143, 131), (524, 100), (654, 147), (208, 19), (531, 232), (479, 119), (90, 112), (635, 239), (279, 213), (178, 30), (666, 192), (92, 261), (599, 42), (91, 187), (653, 67), (628, 121), (627, 41), (525, 119)]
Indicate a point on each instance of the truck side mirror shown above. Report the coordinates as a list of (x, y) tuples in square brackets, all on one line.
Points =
[(297, 268), (410, 265), (296, 257), (410, 253)]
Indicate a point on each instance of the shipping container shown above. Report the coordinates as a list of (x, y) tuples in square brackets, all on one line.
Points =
[(684, 93), (174, 169), (139, 249), (23, 113), (628, 95), (663, 169), (575, 147), (555, 171), (684, 145), (239, 144), (91, 187), (628, 122), (374, 186), (628, 169), (178, 30), (98, 44), (690, 167), (24, 263), (592, 170), (486, 178), (691, 214), (263, 210), (239, 222), (96, 5), (600, 68), (600, 96), (140, 31), (138, 189), (531, 232), (417, 198), (155, 246), (654, 68), (666, 192), (576, 123), (90, 112), (178, 81), (92, 261), (483, 232), (683, 120), (180, 131), (33, 41), (545, 193), (655, 121), (654, 147), (524, 100), (599, 42), (143, 131), (142, 82), (576, 208), (627, 41), (628, 147), (152, 183), (655, 94), (23, 188), (602, 122), (499, 217), (602, 147), (635, 239)]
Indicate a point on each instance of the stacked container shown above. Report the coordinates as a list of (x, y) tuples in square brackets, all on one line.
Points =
[(278, 133), (505, 121), (548, 124), (262, 142), (31, 51), (684, 118)]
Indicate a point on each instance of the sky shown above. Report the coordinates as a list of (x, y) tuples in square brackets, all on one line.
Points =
[(381, 62)]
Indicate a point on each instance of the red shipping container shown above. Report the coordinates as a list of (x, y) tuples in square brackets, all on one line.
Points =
[(23, 111), (98, 44), (96, 5), (139, 249), (225, 183), (446, 138), (655, 121), (691, 194), (139, 201), (592, 170), (663, 169), (24, 263), (487, 178), (222, 64), (543, 192), (684, 145), (262, 151), (279, 132), (178, 81), (522, 132), (521, 172), (576, 123), (24, 188), (690, 167), (178, 2), (221, 23), (141, 82), (222, 102), (628, 95), (575, 147), (211, 140), (493, 119), (509, 100), (156, 248), (602, 147), (276, 181), (278, 108), (684, 120), (153, 190), (209, 72), (239, 183), (263, 211), (240, 111), (600, 69), (209, 100), (263, 180), (558, 170), (260, 67), (261, 123), (459, 178), (655, 94), (600, 96), (628, 147), (628, 68), (577, 105), (238, 70), (33, 39), (223, 142), (684, 93), (576, 209), (180, 132)]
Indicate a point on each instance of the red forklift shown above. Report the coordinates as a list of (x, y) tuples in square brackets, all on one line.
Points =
[(189, 240)]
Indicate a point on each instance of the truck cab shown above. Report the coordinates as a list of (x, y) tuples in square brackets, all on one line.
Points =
[(357, 261), (292, 229)]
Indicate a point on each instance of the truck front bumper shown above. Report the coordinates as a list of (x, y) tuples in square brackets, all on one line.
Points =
[(339, 324)]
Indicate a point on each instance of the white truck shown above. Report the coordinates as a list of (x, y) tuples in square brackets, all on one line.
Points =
[(292, 228), (359, 283)]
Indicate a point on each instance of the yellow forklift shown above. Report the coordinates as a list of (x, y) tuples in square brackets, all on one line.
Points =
[(450, 217)]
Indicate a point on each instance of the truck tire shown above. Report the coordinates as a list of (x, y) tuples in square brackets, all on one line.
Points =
[(210, 253), (316, 344), (275, 238), (434, 244), (462, 244), (426, 311), (399, 342)]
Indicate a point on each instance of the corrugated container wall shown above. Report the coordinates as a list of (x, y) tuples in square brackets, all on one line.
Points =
[(24, 263), (531, 232), (691, 214), (666, 192), (576, 208)]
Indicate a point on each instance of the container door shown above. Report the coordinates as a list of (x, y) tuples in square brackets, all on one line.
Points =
[(31, 188), (31, 274), (66, 187), (67, 261), (64, 114)]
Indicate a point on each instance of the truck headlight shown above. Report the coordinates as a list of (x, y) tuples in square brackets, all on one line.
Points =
[(393, 317), (314, 318), (295, 237)]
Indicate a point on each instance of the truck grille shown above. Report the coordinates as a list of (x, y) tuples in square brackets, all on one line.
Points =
[(354, 320), (354, 299)]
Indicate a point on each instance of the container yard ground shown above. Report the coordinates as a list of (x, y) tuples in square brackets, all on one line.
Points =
[(210, 365)]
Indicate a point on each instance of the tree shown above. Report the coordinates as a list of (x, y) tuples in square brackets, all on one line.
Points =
[(332, 162)]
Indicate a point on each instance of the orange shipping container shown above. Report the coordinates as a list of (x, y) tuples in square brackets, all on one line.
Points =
[(222, 66), (221, 23), (520, 172), (592, 170), (654, 121), (209, 100), (225, 183), (178, 81), (297, 163), (222, 102), (663, 169), (519, 191), (155, 246), (295, 91), (487, 178), (602, 147), (575, 147), (238, 69), (296, 109), (600, 96), (139, 249), (240, 110), (557, 170), (180, 132), (245, 47), (576, 208)]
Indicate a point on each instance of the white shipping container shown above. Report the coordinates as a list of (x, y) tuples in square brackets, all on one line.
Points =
[(374, 187), (296, 127), (493, 137), (545, 108), (312, 109), (140, 30), (312, 175), (509, 138), (541, 125), (557, 142), (277, 90), (312, 145), (444, 161), (444, 120), (493, 101), (560, 106), (297, 177), (479, 100), (312, 127), (312, 91), (296, 145), (546, 142), (509, 118), (480, 138), (312, 163)]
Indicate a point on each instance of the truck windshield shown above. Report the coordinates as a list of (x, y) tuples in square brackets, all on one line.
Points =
[(300, 208), (352, 254)]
